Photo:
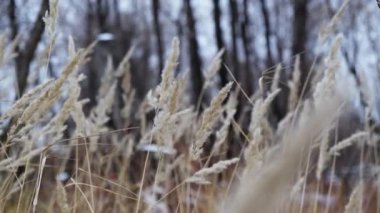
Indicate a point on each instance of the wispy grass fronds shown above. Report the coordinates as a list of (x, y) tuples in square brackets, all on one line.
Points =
[(164, 99), (126, 82), (99, 116), (259, 129), (265, 191), (200, 177), (209, 118), (16, 185), (154, 157), (276, 78), (41, 61), (128, 103), (38, 183), (169, 115), (124, 65), (324, 156), (167, 76), (354, 138), (22, 159), (326, 31), (79, 118), (175, 98), (294, 85), (76, 184), (213, 68), (7, 52), (108, 79), (229, 110), (124, 71), (161, 129), (71, 50), (51, 19), (165, 122), (178, 93), (356, 198), (5, 162), (326, 87), (39, 106), (297, 187), (19, 106), (56, 125), (260, 110), (62, 198)]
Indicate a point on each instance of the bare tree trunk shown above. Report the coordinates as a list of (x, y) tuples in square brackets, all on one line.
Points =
[(234, 18), (249, 78), (269, 72), (91, 84), (13, 20), (219, 40), (157, 31), (195, 60), (102, 9), (265, 13), (279, 21), (117, 13), (25, 55), (300, 34)]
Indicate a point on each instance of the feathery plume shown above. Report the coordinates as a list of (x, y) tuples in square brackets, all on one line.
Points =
[(39, 106), (99, 116), (326, 31), (222, 133), (294, 85), (209, 118), (50, 19), (356, 199), (276, 78), (108, 79), (265, 190), (297, 187), (326, 87), (167, 75), (71, 47), (323, 157), (62, 198), (19, 106), (213, 68), (259, 129), (357, 137), (124, 65), (7, 52), (199, 177), (56, 126)]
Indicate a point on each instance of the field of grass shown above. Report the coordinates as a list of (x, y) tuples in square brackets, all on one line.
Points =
[(172, 156)]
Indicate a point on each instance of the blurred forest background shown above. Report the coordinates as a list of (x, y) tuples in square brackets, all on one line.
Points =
[(256, 35)]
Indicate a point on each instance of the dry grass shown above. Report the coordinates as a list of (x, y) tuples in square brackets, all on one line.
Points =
[(179, 160)]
